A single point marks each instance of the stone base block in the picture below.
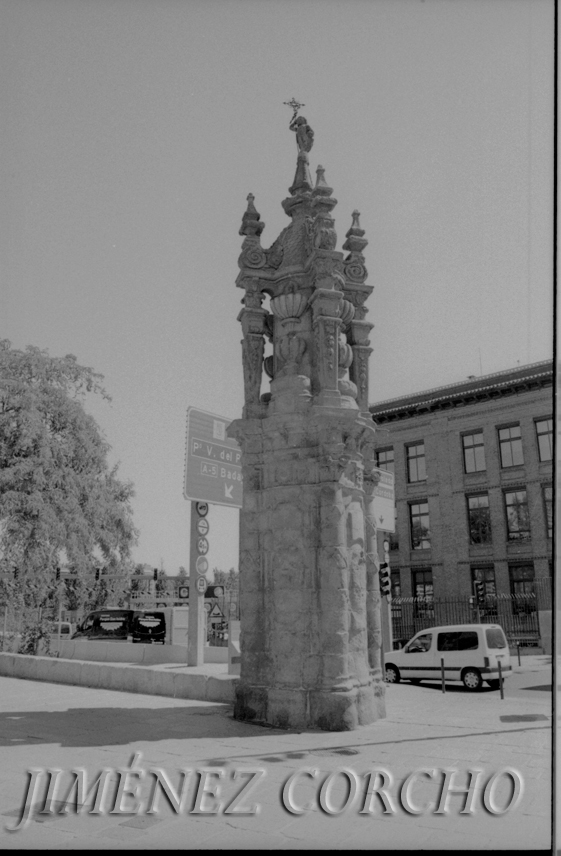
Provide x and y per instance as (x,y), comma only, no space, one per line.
(299,708)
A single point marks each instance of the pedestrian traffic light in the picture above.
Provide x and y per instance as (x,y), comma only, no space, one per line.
(479,587)
(385,579)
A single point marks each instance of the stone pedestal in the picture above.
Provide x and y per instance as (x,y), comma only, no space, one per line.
(309,596)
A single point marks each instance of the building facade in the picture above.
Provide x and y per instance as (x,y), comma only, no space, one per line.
(473,466)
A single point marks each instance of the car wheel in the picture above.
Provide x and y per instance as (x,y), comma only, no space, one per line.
(392,675)
(495,685)
(472,679)
(414,680)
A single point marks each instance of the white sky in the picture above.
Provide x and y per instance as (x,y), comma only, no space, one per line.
(133,131)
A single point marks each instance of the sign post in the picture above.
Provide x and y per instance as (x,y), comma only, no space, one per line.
(198,566)
(213,475)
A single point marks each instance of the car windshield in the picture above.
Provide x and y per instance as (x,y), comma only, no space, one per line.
(495,637)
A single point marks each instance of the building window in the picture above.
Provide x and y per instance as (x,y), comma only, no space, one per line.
(544,431)
(485,574)
(416,469)
(522,589)
(479,519)
(548,502)
(422,583)
(517,515)
(423,592)
(510,442)
(385,460)
(419,519)
(474,452)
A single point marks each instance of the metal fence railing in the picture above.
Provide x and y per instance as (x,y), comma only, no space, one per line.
(518,615)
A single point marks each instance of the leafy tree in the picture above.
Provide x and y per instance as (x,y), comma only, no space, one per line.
(61,505)
(228,579)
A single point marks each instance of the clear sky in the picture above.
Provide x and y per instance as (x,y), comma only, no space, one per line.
(133,130)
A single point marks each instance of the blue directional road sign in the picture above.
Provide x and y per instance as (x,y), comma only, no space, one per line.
(213,470)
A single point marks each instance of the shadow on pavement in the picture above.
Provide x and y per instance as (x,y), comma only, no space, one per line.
(456,688)
(113,726)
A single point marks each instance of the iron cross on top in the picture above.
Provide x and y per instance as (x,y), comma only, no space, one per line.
(294,104)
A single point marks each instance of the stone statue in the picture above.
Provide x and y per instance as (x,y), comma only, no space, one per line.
(298,124)
(304,134)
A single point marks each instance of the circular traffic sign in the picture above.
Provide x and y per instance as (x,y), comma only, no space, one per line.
(201,585)
(201,565)
(202,546)
(183,591)
(202,526)
(202,509)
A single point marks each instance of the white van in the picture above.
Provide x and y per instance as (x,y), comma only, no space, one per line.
(471,654)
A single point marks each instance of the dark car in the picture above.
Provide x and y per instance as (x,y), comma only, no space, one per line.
(122,625)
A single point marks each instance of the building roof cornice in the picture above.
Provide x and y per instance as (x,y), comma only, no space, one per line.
(470,391)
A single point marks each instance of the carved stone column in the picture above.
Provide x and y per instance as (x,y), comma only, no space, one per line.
(359,336)
(326,324)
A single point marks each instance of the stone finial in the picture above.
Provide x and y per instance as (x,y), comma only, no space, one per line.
(251,223)
(356,241)
(322,188)
(302,180)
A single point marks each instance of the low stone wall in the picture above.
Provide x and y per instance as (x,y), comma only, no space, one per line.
(128,652)
(120,677)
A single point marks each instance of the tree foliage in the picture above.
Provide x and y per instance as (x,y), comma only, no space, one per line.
(60,502)
(229,579)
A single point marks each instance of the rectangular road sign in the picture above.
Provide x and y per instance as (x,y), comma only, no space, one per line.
(213,470)
(384,501)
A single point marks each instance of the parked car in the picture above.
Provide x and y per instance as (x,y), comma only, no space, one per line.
(123,625)
(66,629)
(471,654)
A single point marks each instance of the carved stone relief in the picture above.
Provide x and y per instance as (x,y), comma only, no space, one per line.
(252,358)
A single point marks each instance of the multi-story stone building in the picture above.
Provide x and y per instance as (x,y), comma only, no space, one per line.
(473,483)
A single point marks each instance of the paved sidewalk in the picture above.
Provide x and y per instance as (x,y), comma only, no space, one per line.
(62,727)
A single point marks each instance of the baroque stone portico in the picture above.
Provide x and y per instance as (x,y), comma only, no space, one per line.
(309,591)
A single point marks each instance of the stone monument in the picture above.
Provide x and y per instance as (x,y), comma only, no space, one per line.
(309,591)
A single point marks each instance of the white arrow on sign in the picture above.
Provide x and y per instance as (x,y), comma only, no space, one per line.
(228,491)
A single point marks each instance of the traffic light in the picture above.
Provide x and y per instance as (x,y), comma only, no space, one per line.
(385,579)
(57,574)
(16,574)
(479,587)
(155,575)
(97,573)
